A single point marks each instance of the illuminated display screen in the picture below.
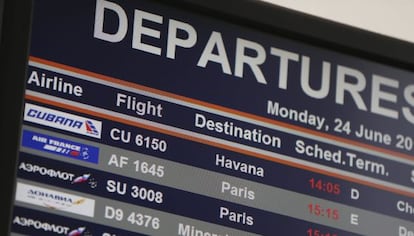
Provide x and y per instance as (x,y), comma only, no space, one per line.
(141,118)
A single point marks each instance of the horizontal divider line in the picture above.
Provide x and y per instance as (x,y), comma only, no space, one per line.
(253,117)
(322,170)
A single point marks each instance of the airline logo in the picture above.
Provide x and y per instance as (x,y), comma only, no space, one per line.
(58,174)
(60,146)
(48,227)
(53,199)
(77,232)
(86,178)
(62,120)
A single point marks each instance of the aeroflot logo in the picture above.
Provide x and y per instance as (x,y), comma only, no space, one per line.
(78,232)
(49,227)
(58,174)
(54,199)
(62,120)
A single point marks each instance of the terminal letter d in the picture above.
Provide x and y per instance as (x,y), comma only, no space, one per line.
(101,6)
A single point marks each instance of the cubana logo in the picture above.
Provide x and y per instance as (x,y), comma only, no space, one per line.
(62,120)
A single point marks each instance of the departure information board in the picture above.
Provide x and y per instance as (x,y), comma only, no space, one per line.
(141,118)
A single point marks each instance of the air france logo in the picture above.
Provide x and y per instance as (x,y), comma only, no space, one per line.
(54,199)
(62,120)
(63,147)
